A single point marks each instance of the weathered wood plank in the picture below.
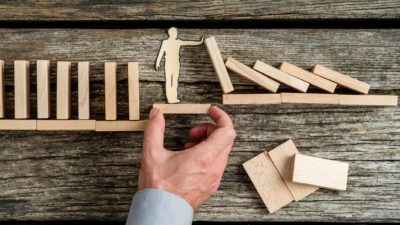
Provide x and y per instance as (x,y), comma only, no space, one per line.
(348,51)
(87,176)
(58,175)
(195,10)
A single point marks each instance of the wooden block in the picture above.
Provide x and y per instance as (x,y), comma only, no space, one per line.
(66,125)
(43,88)
(2,94)
(245,99)
(377,100)
(63,90)
(133,86)
(269,184)
(282,157)
(310,98)
(281,76)
(120,125)
(309,77)
(110,73)
(320,172)
(17,124)
(341,79)
(219,65)
(251,75)
(22,89)
(83,91)
(183,108)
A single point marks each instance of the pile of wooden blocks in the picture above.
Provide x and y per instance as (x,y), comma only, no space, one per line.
(269,78)
(283,175)
(23,121)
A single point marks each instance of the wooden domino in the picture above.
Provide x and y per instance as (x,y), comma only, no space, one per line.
(43,88)
(245,99)
(63,90)
(2,94)
(133,90)
(281,76)
(282,157)
(372,100)
(310,98)
(320,172)
(66,125)
(309,77)
(219,65)
(83,91)
(183,108)
(268,183)
(18,124)
(110,73)
(252,75)
(341,79)
(120,125)
(21,89)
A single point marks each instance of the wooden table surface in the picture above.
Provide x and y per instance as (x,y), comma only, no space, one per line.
(53,176)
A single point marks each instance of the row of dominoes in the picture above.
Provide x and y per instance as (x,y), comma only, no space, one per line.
(63,92)
(269,78)
(283,175)
(22,90)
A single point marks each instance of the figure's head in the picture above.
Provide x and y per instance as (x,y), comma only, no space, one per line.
(173,32)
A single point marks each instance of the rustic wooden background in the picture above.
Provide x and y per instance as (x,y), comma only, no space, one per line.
(87,176)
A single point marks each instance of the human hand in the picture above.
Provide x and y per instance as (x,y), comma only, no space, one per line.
(157,66)
(195,173)
(202,39)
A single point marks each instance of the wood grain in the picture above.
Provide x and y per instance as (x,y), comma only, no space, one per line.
(83,90)
(183,108)
(47,176)
(268,182)
(373,100)
(66,125)
(133,87)
(22,89)
(195,10)
(2,94)
(310,98)
(306,75)
(120,125)
(219,65)
(43,88)
(282,157)
(252,75)
(63,90)
(341,79)
(320,172)
(280,76)
(252,99)
(110,87)
(16,124)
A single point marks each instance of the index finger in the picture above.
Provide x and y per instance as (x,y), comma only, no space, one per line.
(220,117)
(222,137)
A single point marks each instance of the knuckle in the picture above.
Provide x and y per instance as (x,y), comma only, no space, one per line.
(205,161)
(232,133)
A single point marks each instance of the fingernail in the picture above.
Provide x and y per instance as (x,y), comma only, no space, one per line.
(153,113)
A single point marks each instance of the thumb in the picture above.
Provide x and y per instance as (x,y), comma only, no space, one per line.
(154,131)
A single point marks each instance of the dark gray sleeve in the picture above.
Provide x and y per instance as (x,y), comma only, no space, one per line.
(157,207)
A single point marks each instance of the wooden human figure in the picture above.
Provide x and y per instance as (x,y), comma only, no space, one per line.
(171,48)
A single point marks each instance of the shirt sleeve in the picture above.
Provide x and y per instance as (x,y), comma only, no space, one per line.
(157,207)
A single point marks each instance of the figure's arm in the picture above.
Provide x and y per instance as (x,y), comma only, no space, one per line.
(193,42)
(160,55)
